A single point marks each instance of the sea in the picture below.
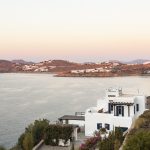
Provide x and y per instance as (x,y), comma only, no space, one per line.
(27,97)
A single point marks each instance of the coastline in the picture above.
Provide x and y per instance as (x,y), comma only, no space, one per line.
(99,75)
(91,75)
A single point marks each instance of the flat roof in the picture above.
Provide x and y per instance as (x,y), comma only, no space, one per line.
(121,103)
(72,117)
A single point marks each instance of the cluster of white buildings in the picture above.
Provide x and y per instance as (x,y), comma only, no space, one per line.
(106,68)
(35,68)
(39,67)
(147,72)
(146,63)
(116,109)
(92,70)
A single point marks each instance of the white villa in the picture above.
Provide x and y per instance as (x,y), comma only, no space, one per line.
(73,120)
(115,110)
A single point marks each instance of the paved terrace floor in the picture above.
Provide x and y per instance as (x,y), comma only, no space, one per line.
(46,147)
(80,140)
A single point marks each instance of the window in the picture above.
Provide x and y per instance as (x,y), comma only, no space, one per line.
(111,107)
(111,96)
(107,126)
(119,110)
(123,129)
(99,126)
(122,110)
(137,107)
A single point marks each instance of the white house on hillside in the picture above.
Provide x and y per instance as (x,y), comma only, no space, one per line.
(115,110)
(73,120)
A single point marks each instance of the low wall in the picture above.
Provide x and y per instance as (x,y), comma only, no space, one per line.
(36,147)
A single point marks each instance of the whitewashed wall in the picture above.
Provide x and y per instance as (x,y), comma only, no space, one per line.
(91,120)
(77,122)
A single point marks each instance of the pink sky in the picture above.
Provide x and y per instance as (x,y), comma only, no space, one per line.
(78,30)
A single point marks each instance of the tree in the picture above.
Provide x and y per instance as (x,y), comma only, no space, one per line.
(20,141)
(55,132)
(28,142)
(111,138)
(113,141)
(104,144)
(38,130)
(2,148)
(33,134)
(119,134)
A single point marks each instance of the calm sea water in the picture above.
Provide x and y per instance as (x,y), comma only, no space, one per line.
(26,97)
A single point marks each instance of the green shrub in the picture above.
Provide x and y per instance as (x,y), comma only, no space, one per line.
(139,141)
(117,144)
(38,130)
(113,141)
(103,131)
(2,148)
(55,132)
(139,136)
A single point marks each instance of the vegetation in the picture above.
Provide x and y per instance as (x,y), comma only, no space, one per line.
(2,148)
(90,143)
(137,139)
(139,136)
(55,132)
(38,130)
(111,142)
(103,131)
(140,140)
(33,134)
(41,129)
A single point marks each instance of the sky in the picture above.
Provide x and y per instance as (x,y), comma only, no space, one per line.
(77,30)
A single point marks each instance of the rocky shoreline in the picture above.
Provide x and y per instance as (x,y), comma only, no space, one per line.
(98,75)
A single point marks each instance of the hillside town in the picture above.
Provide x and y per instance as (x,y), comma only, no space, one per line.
(63,68)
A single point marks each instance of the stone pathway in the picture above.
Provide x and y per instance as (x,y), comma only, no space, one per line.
(81,139)
(47,147)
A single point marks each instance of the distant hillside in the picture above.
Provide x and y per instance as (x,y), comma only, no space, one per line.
(5,66)
(63,66)
(17,65)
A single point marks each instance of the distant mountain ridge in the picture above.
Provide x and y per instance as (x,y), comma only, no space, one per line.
(59,63)
(138,61)
(21,61)
(65,62)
